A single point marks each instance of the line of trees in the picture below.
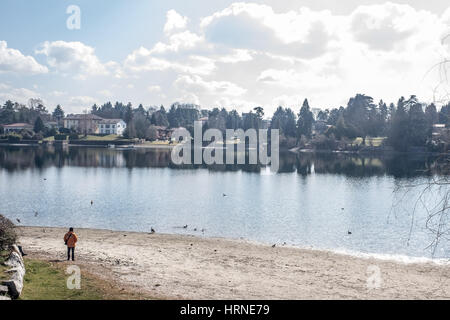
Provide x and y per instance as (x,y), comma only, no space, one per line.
(405,124)
(34,113)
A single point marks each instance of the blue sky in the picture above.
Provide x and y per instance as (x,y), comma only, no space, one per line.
(221,53)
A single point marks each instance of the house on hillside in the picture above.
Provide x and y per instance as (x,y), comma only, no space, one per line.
(164,133)
(83,123)
(51,125)
(16,127)
(441,132)
(112,126)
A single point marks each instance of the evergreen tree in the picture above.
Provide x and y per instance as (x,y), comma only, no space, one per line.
(38,125)
(305,121)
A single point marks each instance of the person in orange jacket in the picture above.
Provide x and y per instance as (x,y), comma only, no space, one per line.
(70,239)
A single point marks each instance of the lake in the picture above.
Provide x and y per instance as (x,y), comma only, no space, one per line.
(313,201)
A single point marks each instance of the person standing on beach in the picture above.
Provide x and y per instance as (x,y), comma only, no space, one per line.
(70,239)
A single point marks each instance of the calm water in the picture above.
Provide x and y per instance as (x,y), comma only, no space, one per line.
(313,200)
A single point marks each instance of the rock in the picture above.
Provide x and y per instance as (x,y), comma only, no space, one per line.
(3,290)
(17,272)
(15,283)
(15,260)
(4,298)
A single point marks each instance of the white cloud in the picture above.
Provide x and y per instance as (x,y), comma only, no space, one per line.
(21,95)
(105,93)
(57,93)
(74,58)
(82,101)
(154,88)
(215,88)
(183,40)
(238,55)
(175,21)
(12,60)
(302,33)
(389,26)
(142,60)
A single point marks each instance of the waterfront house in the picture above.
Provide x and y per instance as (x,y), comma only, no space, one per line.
(51,125)
(17,127)
(163,133)
(112,126)
(440,133)
(83,123)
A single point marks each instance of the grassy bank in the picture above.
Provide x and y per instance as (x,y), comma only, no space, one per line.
(47,281)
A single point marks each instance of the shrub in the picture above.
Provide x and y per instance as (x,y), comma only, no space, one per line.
(60,137)
(14,137)
(322,142)
(38,136)
(73,136)
(7,233)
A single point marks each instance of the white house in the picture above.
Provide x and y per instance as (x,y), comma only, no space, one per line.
(112,126)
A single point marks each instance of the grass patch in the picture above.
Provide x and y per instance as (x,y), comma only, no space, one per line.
(158,143)
(110,137)
(3,275)
(3,257)
(48,281)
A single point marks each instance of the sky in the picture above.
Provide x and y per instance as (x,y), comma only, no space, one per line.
(222,53)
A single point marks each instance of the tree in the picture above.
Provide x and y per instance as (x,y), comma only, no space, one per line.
(356,114)
(290,127)
(259,112)
(431,114)
(38,125)
(152,133)
(159,118)
(58,114)
(128,114)
(305,121)
(417,129)
(398,133)
(234,120)
(444,114)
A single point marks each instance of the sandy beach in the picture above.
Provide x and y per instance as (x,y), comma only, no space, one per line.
(186,267)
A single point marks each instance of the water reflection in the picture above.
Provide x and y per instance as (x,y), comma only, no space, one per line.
(14,158)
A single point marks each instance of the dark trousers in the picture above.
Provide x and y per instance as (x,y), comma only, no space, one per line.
(73,253)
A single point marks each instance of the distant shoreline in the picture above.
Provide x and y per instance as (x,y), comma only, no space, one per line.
(192,267)
(293,150)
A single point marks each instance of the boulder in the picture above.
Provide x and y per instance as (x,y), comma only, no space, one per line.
(3,290)
(15,259)
(17,272)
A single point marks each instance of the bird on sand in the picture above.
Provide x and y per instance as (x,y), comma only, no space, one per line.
(18,220)
(152,230)
(274,245)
